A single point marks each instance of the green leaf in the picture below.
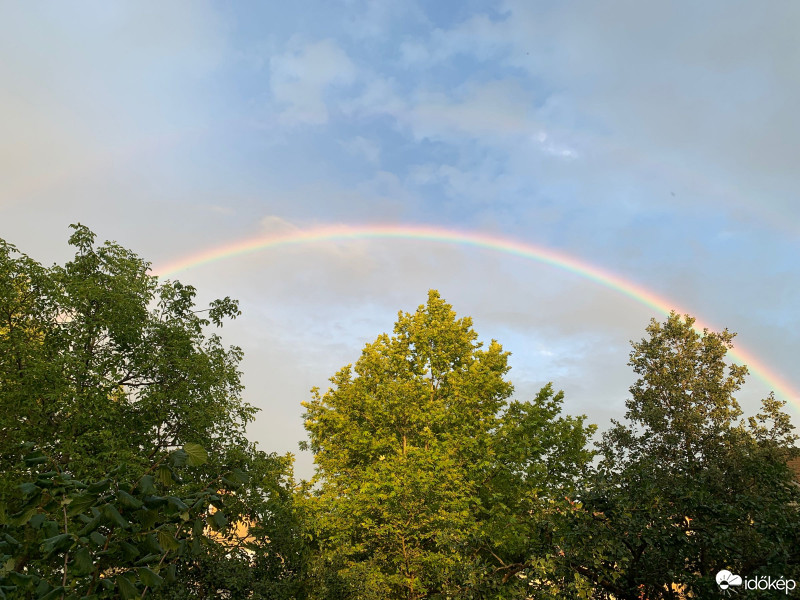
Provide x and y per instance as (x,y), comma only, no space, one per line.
(35,458)
(25,582)
(146,518)
(37,520)
(28,489)
(82,564)
(42,588)
(149,577)
(154,501)
(57,543)
(93,524)
(218,520)
(198,527)
(151,544)
(169,576)
(197,455)
(98,538)
(127,590)
(177,503)
(56,592)
(129,550)
(98,486)
(80,503)
(239,476)
(111,513)
(178,458)
(164,476)
(167,540)
(149,558)
(129,501)
(146,485)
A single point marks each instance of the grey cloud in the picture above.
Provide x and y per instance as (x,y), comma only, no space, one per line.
(679,84)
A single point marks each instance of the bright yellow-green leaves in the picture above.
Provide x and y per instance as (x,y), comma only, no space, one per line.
(427,477)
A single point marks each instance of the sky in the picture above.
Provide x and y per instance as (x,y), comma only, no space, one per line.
(655,141)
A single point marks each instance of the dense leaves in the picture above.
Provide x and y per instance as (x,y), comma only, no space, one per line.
(125,471)
(101,365)
(136,414)
(685,487)
(118,536)
(429,483)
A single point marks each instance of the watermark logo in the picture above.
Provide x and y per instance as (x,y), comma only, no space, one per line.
(728,582)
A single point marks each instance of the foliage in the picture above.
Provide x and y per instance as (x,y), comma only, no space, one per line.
(113,376)
(429,483)
(686,488)
(262,553)
(117,537)
(101,365)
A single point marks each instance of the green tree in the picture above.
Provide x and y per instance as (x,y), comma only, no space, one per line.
(103,367)
(429,483)
(686,487)
(120,536)
(100,364)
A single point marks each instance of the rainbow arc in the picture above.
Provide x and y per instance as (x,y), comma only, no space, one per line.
(540,254)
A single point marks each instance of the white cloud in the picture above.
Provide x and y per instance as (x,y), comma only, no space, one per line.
(301,77)
(488,110)
(364,148)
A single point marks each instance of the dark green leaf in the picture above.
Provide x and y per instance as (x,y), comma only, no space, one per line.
(129,501)
(179,458)
(57,543)
(28,489)
(146,485)
(127,590)
(218,520)
(80,503)
(82,564)
(98,486)
(111,513)
(177,503)
(129,550)
(164,476)
(56,592)
(149,577)
(167,540)
(151,544)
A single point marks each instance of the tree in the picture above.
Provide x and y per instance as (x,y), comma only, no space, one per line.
(123,535)
(429,482)
(114,376)
(685,487)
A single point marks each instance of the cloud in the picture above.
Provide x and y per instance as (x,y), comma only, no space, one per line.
(301,77)
(659,87)
(364,148)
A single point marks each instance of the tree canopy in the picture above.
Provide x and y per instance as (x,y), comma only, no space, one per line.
(685,487)
(112,381)
(125,470)
(429,481)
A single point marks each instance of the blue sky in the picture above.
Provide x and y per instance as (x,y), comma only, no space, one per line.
(655,140)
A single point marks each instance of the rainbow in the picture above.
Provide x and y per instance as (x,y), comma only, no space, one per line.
(477,240)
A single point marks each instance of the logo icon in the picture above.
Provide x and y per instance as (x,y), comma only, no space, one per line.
(726,580)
